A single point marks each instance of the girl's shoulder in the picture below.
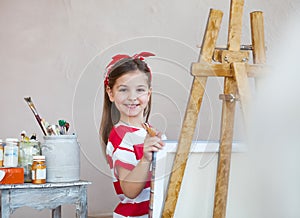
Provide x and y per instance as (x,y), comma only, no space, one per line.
(126,137)
(120,130)
(120,127)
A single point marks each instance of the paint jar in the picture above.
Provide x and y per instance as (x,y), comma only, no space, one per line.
(28,149)
(63,158)
(38,170)
(11,153)
(1,153)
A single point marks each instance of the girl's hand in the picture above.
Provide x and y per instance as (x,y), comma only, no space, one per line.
(152,144)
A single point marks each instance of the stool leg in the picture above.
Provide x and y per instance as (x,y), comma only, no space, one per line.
(56,212)
(5,209)
(81,206)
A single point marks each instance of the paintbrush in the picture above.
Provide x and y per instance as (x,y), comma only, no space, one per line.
(37,116)
(152,133)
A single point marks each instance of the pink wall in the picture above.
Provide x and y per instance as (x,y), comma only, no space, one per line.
(56,52)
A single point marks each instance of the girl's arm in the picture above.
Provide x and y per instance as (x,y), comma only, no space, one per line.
(133,182)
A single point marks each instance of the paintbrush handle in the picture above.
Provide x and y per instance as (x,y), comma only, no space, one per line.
(152,133)
(37,116)
(40,123)
(153,167)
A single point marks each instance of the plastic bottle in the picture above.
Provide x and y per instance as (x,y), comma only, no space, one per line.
(11,153)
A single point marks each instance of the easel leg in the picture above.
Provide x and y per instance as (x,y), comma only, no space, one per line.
(191,115)
(240,75)
(184,144)
(258,39)
(228,111)
(223,170)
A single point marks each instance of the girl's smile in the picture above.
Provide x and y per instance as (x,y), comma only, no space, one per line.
(131,106)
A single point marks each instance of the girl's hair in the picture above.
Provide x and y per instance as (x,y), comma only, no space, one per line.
(110,114)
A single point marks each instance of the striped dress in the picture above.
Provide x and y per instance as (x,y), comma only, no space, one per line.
(125,149)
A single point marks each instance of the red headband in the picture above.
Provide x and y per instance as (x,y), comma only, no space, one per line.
(119,57)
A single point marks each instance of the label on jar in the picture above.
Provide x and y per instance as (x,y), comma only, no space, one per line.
(10,156)
(38,174)
(1,154)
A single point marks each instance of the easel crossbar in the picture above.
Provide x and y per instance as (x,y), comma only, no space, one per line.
(225,70)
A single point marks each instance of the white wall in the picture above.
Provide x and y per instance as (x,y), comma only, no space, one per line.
(55,51)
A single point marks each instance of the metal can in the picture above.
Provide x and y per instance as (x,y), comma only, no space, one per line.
(38,170)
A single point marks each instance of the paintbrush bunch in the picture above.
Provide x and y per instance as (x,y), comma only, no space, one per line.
(26,138)
(56,129)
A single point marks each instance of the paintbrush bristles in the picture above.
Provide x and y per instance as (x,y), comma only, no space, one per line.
(28,99)
(149,130)
(31,105)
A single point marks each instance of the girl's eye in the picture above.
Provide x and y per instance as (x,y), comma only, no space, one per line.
(122,90)
(141,90)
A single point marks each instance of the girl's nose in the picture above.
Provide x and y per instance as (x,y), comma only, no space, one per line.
(132,95)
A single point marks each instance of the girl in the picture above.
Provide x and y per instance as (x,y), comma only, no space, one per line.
(128,147)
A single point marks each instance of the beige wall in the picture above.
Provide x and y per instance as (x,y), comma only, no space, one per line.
(56,51)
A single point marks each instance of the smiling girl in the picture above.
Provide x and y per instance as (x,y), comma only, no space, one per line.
(128,147)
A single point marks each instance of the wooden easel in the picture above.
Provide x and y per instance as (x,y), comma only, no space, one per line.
(233,66)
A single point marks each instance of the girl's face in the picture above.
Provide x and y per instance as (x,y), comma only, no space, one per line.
(131,95)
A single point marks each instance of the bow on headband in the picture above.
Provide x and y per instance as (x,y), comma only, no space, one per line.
(119,57)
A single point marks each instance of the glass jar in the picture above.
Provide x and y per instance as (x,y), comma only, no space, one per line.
(11,153)
(38,170)
(28,149)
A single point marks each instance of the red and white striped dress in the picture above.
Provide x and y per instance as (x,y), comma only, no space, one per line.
(125,149)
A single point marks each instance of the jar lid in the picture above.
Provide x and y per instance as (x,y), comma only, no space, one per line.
(39,157)
(12,140)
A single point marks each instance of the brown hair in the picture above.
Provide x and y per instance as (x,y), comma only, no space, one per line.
(110,114)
